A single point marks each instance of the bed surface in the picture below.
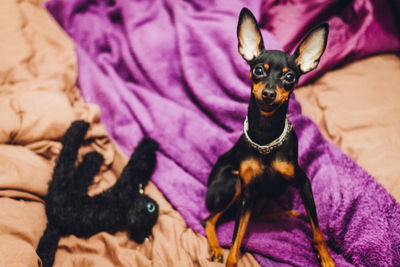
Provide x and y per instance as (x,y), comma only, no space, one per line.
(47,80)
(357,107)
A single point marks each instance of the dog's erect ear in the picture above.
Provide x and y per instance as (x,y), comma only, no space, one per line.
(310,50)
(249,36)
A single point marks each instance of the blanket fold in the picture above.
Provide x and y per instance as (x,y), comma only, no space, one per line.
(170,70)
(38,101)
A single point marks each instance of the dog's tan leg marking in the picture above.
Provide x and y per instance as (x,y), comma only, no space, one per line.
(234,251)
(319,244)
(216,250)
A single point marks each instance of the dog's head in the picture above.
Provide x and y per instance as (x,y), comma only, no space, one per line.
(274,74)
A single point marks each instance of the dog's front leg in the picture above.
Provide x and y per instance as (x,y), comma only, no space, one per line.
(319,241)
(244,214)
(210,222)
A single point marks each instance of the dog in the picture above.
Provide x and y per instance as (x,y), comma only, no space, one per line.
(124,206)
(263,162)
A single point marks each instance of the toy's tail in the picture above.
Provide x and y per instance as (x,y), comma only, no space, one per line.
(48,245)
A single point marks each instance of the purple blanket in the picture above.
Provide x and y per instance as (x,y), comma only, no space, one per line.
(357,28)
(170,70)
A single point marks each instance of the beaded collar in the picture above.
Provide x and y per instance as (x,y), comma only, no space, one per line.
(268,148)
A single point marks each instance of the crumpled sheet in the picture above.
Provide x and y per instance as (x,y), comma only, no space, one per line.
(38,101)
(170,70)
(357,108)
(357,28)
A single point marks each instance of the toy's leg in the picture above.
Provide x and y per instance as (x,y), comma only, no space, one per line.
(140,167)
(319,241)
(65,166)
(86,171)
(240,230)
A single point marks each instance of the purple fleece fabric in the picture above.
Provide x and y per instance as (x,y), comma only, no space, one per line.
(170,70)
(357,28)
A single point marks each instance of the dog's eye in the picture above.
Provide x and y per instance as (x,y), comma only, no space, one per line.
(289,77)
(151,207)
(258,71)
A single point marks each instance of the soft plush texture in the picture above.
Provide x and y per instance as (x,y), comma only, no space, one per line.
(38,101)
(358,28)
(69,209)
(170,70)
(357,107)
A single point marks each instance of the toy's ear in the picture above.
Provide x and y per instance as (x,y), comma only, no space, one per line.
(249,36)
(310,50)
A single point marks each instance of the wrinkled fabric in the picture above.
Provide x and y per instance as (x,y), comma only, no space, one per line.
(170,70)
(38,101)
(357,28)
(357,107)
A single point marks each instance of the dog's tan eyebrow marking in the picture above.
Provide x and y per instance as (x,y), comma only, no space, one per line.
(284,70)
(266,66)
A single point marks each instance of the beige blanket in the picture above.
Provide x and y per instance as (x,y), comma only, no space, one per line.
(357,107)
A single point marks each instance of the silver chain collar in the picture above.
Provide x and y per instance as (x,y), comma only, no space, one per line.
(268,148)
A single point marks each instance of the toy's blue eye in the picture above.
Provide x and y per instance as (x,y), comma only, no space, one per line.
(151,207)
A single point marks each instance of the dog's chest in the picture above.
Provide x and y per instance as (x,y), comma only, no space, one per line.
(265,175)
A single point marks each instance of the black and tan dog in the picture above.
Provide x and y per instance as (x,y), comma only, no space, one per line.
(263,162)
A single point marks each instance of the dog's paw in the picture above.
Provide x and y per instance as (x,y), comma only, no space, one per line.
(323,255)
(217,256)
(327,262)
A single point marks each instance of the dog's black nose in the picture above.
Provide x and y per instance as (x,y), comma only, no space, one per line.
(268,95)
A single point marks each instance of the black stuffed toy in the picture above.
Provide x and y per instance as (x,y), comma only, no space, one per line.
(70,211)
